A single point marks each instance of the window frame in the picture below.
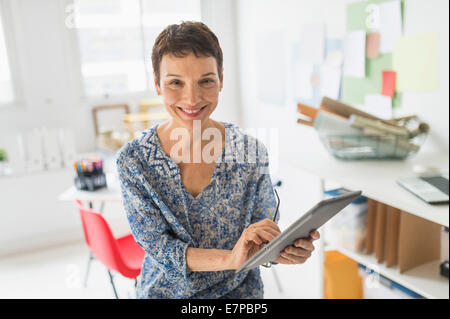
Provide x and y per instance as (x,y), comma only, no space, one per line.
(7,20)
(131,97)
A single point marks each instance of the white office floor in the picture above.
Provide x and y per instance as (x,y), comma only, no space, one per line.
(58,273)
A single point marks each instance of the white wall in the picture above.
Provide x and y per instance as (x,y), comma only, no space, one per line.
(220,18)
(258,16)
(422,17)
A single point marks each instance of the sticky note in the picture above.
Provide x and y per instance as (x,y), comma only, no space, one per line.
(355,54)
(373,45)
(315,80)
(388,88)
(416,61)
(390,24)
(302,80)
(330,83)
(312,38)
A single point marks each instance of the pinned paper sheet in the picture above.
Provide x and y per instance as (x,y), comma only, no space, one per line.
(315,80)
(312,39)
(416,61)
(373,45)
(388,88)
(67,144)
(51,150)
(302,75)
(330,83)
(355,54)
(35,160)
(270,77)
(378,105)
(335,58)
(390,24)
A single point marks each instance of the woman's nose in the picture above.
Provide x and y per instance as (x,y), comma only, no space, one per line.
(192,95)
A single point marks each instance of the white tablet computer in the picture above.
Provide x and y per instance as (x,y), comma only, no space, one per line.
(313,219)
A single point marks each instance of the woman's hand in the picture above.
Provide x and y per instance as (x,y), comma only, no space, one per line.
(300,251)
(251,241)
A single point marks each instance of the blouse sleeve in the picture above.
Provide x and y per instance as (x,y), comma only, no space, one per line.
(148,225)
(265,197)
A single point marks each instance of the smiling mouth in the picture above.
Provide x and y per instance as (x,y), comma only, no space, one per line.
(191,113)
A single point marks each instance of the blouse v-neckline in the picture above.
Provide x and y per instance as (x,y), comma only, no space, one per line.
(214,176)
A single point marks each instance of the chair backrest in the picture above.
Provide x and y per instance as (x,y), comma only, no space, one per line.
(99,238)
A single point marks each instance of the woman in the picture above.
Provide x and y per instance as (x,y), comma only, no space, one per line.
(200,214)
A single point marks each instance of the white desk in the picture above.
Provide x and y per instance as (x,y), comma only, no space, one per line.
(377,180)
(111,193)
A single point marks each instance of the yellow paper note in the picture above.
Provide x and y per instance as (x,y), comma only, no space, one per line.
(416,61)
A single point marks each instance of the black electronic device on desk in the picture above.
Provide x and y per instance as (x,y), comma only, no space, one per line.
(444,268)
(431,188)
(90,174)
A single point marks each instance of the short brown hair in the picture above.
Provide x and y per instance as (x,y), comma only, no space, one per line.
(184,38)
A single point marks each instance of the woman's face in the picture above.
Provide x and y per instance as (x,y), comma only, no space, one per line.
(190,87)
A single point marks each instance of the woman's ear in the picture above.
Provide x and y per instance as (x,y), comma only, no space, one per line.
(158,88)
(221,80)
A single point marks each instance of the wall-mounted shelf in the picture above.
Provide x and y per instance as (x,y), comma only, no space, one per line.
(424,280)
(377,179)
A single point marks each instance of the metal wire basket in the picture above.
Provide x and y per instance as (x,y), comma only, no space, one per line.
(360,147)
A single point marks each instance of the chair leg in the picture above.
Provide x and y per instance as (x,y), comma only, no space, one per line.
(87,268)
(112,284)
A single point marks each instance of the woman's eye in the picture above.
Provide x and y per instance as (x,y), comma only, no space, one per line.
(175,82)
(208,81)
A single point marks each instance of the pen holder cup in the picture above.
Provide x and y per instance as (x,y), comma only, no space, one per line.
(90,181)
(370,147)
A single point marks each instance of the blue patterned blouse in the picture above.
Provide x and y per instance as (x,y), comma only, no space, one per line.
(165,218)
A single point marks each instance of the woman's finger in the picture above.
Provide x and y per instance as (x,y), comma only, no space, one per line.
(299,252)
(264,234)
(259,235)
(315,235)
(284,261)
(293,258)
(305,244)
(272,231)
(269,223)
(250,235)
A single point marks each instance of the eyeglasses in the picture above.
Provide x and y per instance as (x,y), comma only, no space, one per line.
(278,204)
(269,264)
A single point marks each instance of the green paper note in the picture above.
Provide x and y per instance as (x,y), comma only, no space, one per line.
(354,90)
(358,14)
(416,61)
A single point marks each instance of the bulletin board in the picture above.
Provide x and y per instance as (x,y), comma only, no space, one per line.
(354,90)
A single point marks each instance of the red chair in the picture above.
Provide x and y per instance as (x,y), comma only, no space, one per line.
(122,255)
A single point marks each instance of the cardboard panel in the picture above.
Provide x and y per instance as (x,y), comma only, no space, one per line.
(391,238)
(380,228)
(419,241)
(371,215)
